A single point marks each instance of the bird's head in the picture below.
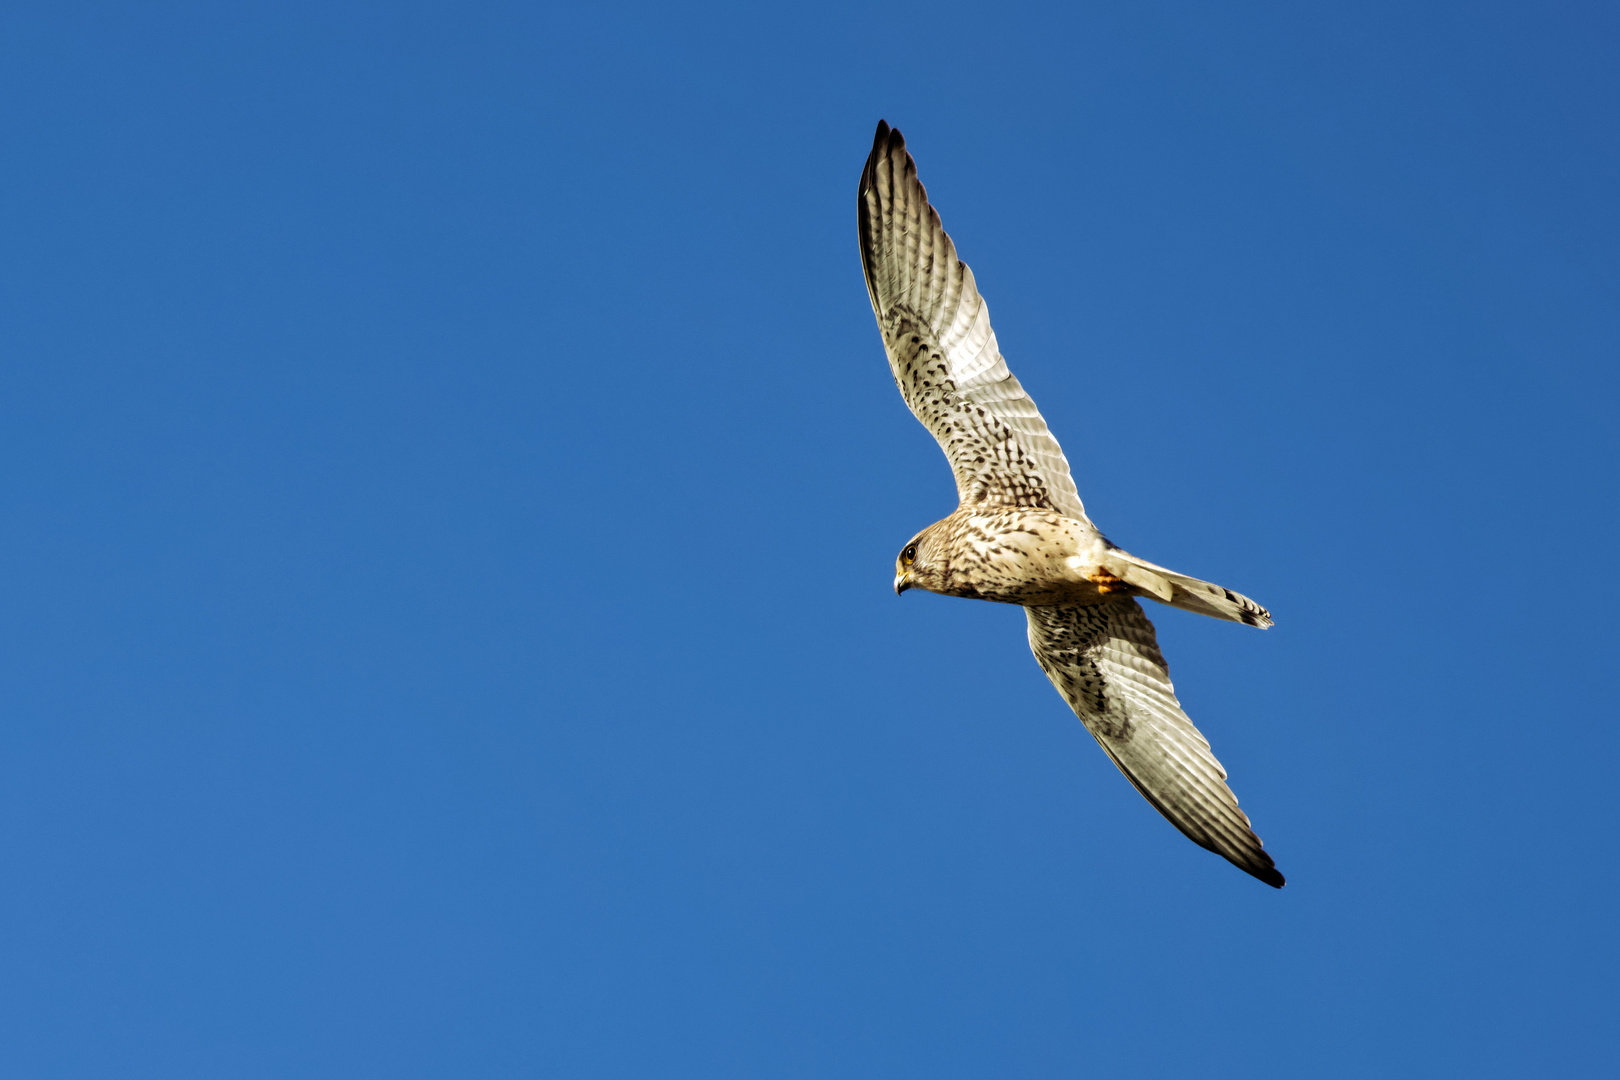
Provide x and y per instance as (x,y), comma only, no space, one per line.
(921,563)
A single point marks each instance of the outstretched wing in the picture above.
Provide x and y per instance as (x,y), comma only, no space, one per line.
(1105,661)
(936,330)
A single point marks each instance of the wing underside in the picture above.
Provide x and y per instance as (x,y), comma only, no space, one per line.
(942,350)
(1105,661)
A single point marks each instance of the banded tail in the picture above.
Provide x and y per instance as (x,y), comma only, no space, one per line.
(1186,593)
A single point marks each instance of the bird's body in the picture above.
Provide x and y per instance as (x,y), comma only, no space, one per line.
(1010,554)
(1020,534)
(1033,556)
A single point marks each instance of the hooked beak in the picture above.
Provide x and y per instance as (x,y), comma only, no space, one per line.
(902,582)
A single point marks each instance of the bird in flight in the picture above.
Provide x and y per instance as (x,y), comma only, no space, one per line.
(1020,535)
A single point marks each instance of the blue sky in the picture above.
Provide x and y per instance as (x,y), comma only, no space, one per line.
(449,486)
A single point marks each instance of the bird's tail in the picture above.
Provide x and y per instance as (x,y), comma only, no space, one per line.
(1187,593)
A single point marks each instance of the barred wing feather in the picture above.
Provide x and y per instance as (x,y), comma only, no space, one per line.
(942,351)
(1105,661)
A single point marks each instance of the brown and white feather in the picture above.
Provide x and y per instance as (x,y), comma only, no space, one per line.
(942,350)
(1105,661)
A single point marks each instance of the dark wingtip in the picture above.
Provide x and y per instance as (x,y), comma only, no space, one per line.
(886,143)
(885,140)
(1271,876)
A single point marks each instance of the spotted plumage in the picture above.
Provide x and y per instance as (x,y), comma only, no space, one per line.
(1020,535)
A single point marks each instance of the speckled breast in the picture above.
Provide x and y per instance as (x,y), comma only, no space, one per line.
(1022,555)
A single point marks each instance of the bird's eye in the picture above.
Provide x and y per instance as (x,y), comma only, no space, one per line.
(910,554)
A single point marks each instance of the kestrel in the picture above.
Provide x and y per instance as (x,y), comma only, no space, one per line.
(1019,534)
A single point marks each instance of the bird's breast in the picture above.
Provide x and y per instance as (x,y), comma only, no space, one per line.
(1031,557)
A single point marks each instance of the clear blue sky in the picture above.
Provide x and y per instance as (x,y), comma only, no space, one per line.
(449,486)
